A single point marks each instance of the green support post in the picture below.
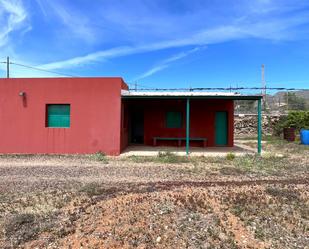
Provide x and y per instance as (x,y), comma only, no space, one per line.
(188,127)
(259,126)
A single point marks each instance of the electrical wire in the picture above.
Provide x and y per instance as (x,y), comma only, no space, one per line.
(43,70)
(148,88)
(134,85)
(223,89)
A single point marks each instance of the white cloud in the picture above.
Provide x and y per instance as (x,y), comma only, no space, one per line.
(75,22)
(144,26)
(151,71)
(166,63)
(12,17)
(42,8)
(201,38)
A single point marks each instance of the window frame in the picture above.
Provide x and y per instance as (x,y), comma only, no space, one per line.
(168,125)
(47,116)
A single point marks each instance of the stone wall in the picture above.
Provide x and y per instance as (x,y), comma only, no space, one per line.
(246,124)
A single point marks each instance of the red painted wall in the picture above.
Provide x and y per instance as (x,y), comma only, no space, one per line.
(124,125)
(95,115)
(202,119)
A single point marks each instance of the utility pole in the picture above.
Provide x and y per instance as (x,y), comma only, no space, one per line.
(264,87)
(287,101)
(8,67)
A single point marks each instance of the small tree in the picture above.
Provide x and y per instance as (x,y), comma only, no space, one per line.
(297,119)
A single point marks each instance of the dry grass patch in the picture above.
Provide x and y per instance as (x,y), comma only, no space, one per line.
(169,219)
(162,157)
(276,214)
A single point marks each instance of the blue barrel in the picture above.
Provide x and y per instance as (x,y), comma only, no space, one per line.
(304,136)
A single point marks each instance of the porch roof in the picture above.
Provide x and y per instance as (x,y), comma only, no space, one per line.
(189,94)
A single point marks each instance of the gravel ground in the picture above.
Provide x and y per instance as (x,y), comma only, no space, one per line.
(93,201)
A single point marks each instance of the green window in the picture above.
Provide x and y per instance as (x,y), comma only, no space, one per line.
(58,116)
(173,120)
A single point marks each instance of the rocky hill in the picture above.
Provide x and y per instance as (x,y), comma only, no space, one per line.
(279,102)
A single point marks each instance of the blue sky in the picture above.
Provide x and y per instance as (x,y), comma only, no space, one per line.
(160,43)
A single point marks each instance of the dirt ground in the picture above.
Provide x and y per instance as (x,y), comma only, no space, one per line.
(93,201)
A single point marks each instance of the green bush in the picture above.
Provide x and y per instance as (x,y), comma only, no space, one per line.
(297,119)
(169,157)
(230,156)
(100,157)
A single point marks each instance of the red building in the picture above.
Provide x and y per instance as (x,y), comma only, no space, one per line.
(87,115)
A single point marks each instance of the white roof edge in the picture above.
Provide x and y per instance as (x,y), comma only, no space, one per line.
(172,93)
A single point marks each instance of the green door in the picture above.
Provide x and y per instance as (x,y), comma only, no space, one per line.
(221,128)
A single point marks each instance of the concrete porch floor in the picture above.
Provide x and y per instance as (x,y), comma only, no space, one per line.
(142,150)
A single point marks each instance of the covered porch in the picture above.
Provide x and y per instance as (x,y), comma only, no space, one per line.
(182,122)
(143,150)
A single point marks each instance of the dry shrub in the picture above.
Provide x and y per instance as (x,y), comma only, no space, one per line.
(96,189)
(100,157)
(231,171)
(162,157)
(269,164)
(20,228)
(283,193)
(169,157)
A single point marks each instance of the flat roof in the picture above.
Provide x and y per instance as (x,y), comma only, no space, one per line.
(188,94)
